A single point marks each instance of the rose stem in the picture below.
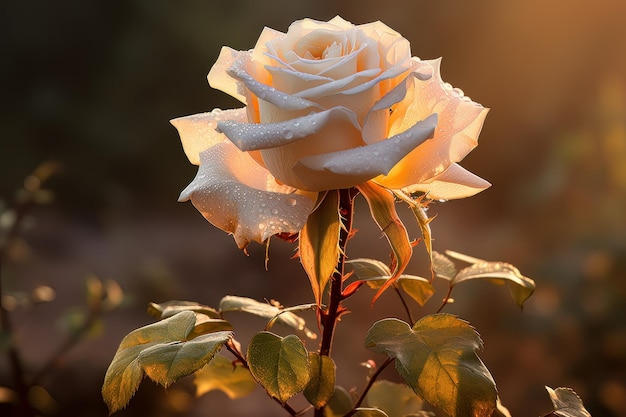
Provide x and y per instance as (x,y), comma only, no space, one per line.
(380,369)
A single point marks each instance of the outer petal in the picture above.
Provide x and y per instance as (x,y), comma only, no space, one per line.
(355,166)
(460,122)
(235,194)
(198,132)
(218,76)
(454,182)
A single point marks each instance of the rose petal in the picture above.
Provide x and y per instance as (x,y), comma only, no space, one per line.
(198,132)
(238,196)
(265,92)
(261,136)
(354,166)
(220,79)
(291,82)
(460,122)
(454,182)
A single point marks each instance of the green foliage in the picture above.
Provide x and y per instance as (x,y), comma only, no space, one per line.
(437,359)
(163,351)
(496,272)
(169,308)
(383,210)
(339,404)
(566,403)
(267,311)
(321,385)
(396,400)
(222,374)
(376,274)
(279,364)
(369,412)
(319,244)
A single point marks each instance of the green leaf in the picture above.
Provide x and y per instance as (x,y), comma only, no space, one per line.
(567,403)
(169,308)
(437,359)
(166,363)
(165,348)
(376,273)
(383,209)
(396,400)
(339,404)
(280,365)
(321,385)
(496,272)
(319,244)
(267,311)
(222,374)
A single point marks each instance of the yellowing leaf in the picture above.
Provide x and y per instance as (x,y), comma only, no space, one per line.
(339,404)
(567,403)
(419,210)
(376,274)
(222,374)
(396,400)
(437,359)
(321,385)
(165,363)
(383,209)
(497,272)
(280,365)
(370,412)
(267,311)
(169,308)
(319,244)
(156,346)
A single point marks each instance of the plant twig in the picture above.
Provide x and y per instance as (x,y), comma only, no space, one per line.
(371,381)
(445,300)
(17,367)
(404,304)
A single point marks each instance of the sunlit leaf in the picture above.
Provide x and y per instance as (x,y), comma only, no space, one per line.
(169,308)
(370,412)
(396,400)
(160,340)
(339,404)
(376,274)
(165,363)
(383,209)
(279,364)
(437,358)
(321,385)
(319,244)
(205,325)
(500,273)
(222,374)
(369,268)
(501,410)
(267,311)
(566,403)
(443,266)
(496,272)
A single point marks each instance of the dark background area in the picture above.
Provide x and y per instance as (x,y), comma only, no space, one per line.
(92,85)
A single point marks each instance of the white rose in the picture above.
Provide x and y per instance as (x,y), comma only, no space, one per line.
(328,105)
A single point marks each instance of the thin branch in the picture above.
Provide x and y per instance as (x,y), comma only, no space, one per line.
(376,374)
(404,304)
(445,300)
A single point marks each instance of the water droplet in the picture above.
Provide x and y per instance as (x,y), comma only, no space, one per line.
(291,201)
(274,211)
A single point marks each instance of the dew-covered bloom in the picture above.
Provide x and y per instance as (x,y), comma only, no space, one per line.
(327,105)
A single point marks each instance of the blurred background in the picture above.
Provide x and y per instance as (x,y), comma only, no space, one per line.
(92,85)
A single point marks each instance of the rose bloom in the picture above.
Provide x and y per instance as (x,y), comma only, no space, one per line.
(327,105)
